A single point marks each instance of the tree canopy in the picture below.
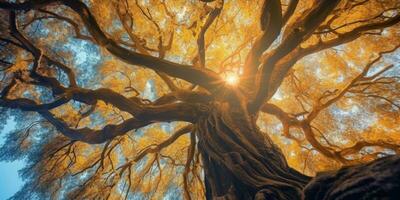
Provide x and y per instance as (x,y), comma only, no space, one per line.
(107,95)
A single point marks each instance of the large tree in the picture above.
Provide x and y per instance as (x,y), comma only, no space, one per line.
(201,99)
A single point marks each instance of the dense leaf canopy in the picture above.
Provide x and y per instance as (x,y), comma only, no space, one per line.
(106,94)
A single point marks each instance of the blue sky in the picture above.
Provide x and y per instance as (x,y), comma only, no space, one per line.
(10,180)
(85,56)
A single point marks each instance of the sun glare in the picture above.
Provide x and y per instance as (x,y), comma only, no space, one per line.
(231,79)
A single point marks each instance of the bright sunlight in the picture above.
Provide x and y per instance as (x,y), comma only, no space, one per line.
(231,79)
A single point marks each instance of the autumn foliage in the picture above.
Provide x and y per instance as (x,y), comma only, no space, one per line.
(114,99)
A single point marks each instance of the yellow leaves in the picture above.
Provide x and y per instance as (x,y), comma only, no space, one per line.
(81,161)
(104,11)
(68,113)
(146,187)
(155,136)
(187,35)
(21,63)
(151,136)
(119,77)
(127,149)
(312,77)
(83,156)
(388,124)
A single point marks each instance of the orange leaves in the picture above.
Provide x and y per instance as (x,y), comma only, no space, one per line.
(21,63)
(104,12)
(145,26)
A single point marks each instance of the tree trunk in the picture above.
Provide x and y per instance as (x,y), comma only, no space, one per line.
(240,162)
(376,180)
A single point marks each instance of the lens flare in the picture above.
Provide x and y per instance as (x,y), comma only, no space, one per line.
(231,79)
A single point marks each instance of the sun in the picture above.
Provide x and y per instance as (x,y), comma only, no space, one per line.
(231,79)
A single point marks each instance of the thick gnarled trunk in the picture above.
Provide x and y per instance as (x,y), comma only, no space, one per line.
(375,180)
(240,162)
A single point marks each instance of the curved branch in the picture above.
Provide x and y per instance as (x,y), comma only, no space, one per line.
(27,5)
(317,109)
(157,148)
(144,113)
(75,25)
(85,134)
(311,21)
(200,40)
(37,53)
(284,65)
(203,77)
(189,159)
(289,11)
(310,137)
(361,144)
(133,105)
(271,24)
(29,105)
(93,136)
(286,120)
(168,112)
(141,47)
(350,36)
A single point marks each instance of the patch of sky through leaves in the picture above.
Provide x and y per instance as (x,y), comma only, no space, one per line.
(86,57)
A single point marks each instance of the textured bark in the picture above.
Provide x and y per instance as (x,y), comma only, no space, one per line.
(376,180)
(240,162)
